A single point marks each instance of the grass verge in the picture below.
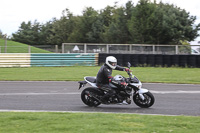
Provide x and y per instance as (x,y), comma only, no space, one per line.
(16,47)
(145,74)
(19,122)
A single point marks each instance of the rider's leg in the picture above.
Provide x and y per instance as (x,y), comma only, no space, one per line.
(110,92)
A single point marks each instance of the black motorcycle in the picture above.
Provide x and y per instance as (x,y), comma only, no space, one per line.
(143,98)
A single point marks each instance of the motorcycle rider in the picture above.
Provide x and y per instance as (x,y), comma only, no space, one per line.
(104,77)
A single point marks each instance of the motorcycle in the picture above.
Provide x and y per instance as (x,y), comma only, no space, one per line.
(91,96)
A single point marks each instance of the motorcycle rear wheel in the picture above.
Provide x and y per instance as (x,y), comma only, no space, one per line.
(147,102)
(87,96)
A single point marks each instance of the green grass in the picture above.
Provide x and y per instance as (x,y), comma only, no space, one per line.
(40,122)
(15,47)
(145,74)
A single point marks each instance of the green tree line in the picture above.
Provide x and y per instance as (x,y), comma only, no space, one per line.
(145,23)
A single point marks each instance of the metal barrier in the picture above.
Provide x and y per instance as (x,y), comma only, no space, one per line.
(28,60)
(64,59)
(14,60)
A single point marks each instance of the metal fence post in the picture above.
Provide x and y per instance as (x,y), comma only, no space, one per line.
(153,49)
(85,48)
(5,37)
(130,48)
(107,48)
(176,49)
(56,48)
(29,49)
(63,48)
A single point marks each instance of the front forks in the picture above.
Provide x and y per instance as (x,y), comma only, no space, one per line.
(141,92)
(142,97)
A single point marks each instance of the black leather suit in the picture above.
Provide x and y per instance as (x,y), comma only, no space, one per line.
(104,76)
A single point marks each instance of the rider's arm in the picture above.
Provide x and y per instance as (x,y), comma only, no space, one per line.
(121,68)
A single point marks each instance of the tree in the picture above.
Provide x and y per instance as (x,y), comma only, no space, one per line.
(117,30)
(145,23)
(61,29)
(177,24)
(46,33)
(161,24)
(106,15)
(129,8)
(24,34)
(28,33)
(141,23)
(89,26)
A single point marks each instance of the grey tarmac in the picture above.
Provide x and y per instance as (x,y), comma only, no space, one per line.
(64,96)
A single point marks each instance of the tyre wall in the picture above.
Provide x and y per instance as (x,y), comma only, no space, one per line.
(154,60)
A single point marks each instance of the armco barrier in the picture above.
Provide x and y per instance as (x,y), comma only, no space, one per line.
(28,60)
(154,60)
(14,60)
(82,59)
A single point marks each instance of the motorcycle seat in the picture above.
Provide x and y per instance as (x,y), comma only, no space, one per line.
(91,79)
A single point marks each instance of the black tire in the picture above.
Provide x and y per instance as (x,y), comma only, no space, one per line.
(148,102)
(88,99)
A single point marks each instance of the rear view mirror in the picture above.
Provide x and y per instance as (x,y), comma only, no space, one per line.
(129,65)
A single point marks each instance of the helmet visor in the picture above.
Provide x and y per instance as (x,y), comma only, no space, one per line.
(113,63)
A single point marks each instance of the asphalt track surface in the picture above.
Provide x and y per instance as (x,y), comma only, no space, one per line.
(171,99)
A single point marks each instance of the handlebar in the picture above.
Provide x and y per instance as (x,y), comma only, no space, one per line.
(130,75)
(128,72)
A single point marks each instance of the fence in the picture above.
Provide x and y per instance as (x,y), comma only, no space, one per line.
(30,49)
(127,48)
(28,60)
(103,48)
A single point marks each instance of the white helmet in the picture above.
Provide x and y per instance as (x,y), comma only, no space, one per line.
(111,61)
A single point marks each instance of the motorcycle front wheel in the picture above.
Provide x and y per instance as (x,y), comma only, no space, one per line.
(89,97)
(147,102)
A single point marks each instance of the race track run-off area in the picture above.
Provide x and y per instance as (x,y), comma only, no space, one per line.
(64,96)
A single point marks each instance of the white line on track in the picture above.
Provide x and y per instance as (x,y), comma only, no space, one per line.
(10,110)
(8,94)
(77,93)
(77,82)
(176,92)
